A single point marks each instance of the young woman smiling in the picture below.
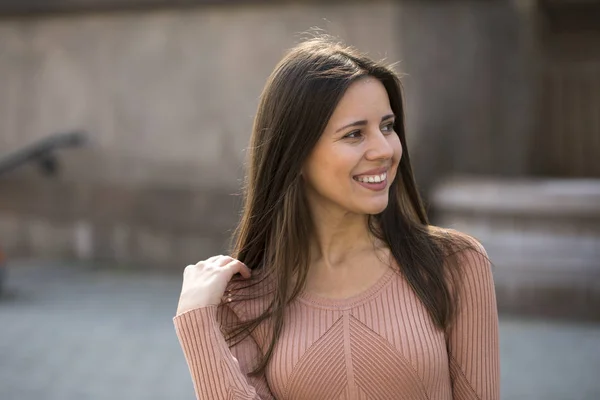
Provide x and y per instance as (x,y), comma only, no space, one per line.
(337,286)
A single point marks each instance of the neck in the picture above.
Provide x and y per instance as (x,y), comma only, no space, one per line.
(338,238)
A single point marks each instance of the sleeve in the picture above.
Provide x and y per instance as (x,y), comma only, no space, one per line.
(217,371)
(473,346)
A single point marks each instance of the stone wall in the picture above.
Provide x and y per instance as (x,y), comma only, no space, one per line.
(470,86)
(168,97)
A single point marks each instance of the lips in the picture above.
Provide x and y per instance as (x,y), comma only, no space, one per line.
(374,186)
(375,179)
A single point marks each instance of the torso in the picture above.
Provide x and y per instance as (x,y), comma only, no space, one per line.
(378,343)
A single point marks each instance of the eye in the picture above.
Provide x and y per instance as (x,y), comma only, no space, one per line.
(353,135)
(388,128)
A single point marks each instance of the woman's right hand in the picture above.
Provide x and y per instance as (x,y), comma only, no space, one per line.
(205,282)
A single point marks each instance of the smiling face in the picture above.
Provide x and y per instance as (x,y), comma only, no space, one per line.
(356,158)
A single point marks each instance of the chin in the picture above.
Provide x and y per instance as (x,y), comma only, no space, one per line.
(376,208)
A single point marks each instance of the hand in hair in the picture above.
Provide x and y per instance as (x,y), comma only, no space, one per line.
(205,282)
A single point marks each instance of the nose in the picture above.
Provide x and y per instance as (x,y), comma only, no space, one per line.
(379,147)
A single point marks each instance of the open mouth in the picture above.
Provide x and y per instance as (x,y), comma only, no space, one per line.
(376,182)
(371,178)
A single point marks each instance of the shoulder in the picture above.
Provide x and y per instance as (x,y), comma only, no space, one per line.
(466,260)
(456,244)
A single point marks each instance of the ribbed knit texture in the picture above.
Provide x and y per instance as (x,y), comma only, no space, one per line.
(380,344)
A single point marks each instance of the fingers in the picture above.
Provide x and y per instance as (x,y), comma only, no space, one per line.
(220,260)
(236,266)
(230,263)
(211,259)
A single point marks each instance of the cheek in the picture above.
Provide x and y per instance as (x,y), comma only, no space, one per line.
(331,173)
(397,153)
(331,162)
(329,170)
(397,148)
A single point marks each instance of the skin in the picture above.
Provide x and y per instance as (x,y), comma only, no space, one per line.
(345,258)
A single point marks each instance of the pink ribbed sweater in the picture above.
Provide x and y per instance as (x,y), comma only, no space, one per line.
(380,344)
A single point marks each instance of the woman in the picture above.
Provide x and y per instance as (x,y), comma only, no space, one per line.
(337,287)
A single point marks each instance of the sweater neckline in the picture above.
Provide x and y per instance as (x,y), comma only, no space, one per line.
(347,302)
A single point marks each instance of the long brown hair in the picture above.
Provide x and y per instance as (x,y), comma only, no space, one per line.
(272,237)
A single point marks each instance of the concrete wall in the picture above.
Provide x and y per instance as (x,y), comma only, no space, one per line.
(168,97)
(470,86)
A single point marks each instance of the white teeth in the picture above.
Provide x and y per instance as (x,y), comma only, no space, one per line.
(372,178)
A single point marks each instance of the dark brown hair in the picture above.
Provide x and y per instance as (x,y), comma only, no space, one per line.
(272,237)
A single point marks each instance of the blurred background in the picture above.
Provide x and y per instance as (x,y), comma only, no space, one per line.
(123,125)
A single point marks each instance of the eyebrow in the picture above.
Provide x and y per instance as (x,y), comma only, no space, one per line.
(363,122)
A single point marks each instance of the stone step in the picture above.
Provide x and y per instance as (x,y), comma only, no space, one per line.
(543,237)
(162,226)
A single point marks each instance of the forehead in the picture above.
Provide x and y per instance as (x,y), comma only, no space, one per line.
(364,98)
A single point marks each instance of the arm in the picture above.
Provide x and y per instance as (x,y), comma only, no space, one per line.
(473,347)
(217,371)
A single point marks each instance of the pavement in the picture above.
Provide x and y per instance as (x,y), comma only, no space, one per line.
(72,332)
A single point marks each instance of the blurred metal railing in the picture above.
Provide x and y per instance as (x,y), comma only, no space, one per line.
(42,151)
